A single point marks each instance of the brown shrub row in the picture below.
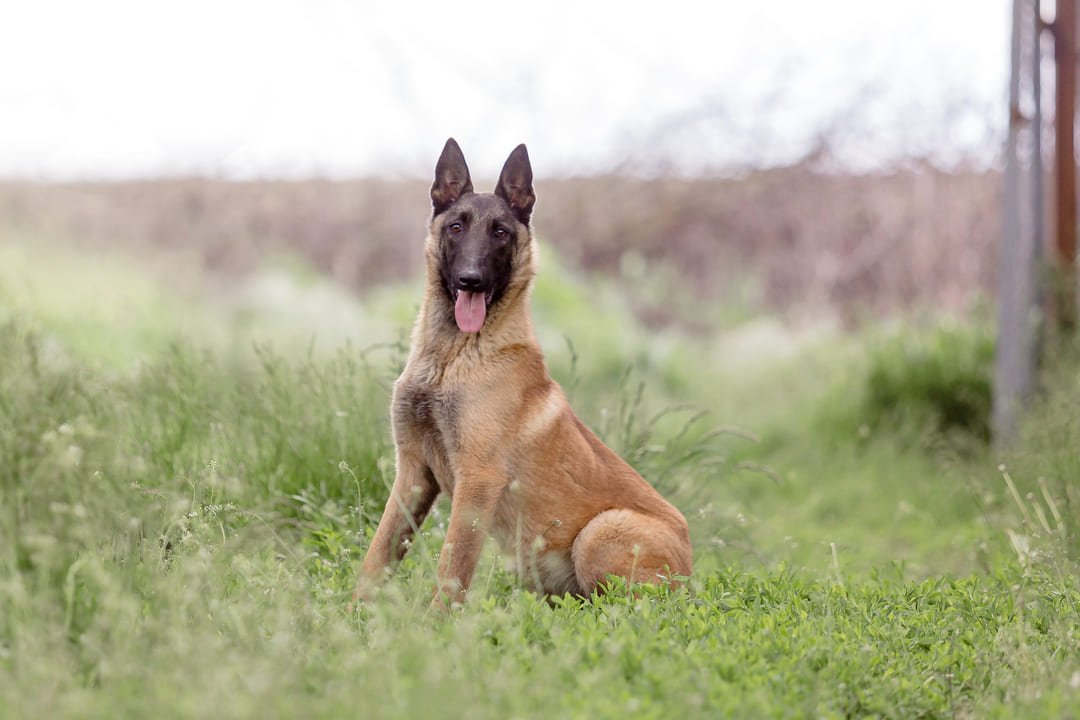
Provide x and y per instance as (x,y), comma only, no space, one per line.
(909,239)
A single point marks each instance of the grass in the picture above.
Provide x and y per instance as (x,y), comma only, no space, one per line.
(180,535)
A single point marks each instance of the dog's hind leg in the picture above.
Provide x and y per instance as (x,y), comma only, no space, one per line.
(630,544)
(412,496)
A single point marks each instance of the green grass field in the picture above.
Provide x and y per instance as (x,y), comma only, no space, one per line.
(188,482)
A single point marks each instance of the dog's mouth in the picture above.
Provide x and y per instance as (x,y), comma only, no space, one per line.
(470,309)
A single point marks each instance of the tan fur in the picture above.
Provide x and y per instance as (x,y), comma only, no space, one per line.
(478,417)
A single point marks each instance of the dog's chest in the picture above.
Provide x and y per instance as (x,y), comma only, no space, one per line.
(428,415)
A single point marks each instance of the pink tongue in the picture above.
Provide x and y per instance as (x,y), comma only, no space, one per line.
(469,311)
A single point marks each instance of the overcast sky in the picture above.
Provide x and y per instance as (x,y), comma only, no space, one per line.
(242,88)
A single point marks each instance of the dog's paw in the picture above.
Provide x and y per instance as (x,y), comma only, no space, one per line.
(364,593)
(446,601)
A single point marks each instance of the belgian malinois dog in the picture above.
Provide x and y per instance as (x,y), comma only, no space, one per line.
(477,416)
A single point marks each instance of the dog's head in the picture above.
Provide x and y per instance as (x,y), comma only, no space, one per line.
(482,241)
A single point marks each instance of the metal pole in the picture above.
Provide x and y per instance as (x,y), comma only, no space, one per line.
(1065,154)
(1038,193)
(1015,350)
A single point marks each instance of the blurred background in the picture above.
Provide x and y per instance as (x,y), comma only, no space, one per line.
(819,163)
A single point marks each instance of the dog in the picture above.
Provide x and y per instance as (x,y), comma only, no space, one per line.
(476,416)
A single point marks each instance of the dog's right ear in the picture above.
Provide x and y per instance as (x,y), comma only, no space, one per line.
(515,184)
(451,178)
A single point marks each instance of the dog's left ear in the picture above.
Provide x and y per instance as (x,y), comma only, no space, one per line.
(451,178)
(515,184)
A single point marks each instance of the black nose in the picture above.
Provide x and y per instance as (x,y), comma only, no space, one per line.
(469,280)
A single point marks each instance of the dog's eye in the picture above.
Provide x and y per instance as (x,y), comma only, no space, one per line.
(501,233)
(455,227)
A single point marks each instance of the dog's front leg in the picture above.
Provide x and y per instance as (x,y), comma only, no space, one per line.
(471,513)
(411,497)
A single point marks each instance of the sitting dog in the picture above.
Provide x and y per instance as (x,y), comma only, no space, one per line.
(477,416)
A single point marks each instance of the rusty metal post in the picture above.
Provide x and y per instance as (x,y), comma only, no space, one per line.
(1064,304)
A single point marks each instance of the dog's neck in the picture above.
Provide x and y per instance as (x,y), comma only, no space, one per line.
(437,337)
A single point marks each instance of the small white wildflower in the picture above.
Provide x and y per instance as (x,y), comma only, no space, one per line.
(73,456)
